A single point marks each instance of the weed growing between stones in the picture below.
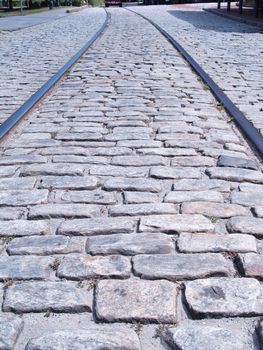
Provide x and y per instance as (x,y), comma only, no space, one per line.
(214,219)
(137,326)
(55,264)
(160,330)
(219,106)
(8,283)
(48,313)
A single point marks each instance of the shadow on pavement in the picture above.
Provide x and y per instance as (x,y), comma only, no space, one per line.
(207,21)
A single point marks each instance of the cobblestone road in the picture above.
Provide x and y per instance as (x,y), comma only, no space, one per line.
(229,51)
(131,210)
(30,56)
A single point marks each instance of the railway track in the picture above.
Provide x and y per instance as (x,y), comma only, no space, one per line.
(26,107)
(246,127)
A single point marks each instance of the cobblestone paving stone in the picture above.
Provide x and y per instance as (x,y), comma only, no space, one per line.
(225,49)
(129,220)
(28,57)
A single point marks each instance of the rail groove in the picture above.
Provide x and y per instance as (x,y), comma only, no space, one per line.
(246,127)
(26,107)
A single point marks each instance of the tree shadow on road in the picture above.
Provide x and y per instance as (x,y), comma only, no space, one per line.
(211,22)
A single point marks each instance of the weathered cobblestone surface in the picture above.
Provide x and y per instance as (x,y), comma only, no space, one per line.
(10,328)
(118,221)
(189,337)
(232,65)
(100,337)
(46,47)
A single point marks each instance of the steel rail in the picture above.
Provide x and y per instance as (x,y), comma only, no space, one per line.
(11,121)
(244,124)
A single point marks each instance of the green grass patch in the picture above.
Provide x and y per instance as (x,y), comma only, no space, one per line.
(96,3)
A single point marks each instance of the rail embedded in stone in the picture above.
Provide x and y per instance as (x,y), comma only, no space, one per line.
(26,107)
(246,127)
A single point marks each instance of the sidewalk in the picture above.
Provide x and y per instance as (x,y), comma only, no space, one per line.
(247,16)
(18,22)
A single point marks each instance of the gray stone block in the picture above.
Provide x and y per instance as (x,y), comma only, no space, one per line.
(57,210)
(258,211)
(175,223)
(52,170)
(43,245)
(143,209)
(226,161)
(24,268)
(81,136)
(127,184)
(12,213)
(246,224)
(114,170)
(249,199)
(252,265)
(211,242)
(81,267)
(181,266)
(24,228)
(224,297)
(8,170)
(168,152)
(235,174)
(45,296)
(23,197)
(96,226)
(80,159)
(10,328)
(139,160)
(136,300)
(94,197)
(139,197)
(17,183)
(219,210)
(191,196)
(163,172)
(22,159)
(201,185)
(97,337)
(139,143)
(196,161)
(203,337)
(249,187)
(131,244)
(69,182)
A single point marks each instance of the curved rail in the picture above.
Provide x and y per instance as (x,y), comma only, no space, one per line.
(244,124)
(11,121)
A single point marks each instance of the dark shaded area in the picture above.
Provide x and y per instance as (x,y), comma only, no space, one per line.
(201,20)
(247,16)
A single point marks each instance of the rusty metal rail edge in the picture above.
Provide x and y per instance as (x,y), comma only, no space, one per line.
(11,121)
(246,127)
